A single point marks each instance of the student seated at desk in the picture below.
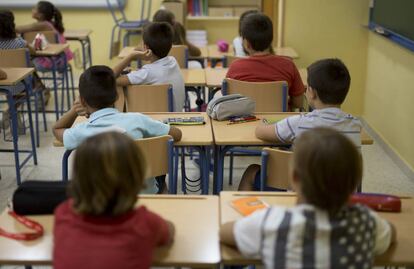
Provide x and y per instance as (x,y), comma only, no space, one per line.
(157,43)
(48,18)
(328,85)
(97,89)
(99,226)
(262,65)
(322,230)
(180,37)
(239,50)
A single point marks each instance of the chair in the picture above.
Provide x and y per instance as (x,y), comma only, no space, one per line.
(67,75)
(116,7)
(180,53)
(275,170)
(21,58)
(269,96)
(149,98)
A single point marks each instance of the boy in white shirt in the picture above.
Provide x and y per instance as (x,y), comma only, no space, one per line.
(157,39)
(322,230)
(328,85)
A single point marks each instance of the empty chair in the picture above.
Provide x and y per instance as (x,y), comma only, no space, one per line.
(149,98)
(275,170)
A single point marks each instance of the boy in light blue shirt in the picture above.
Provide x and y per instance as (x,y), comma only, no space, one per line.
(97,88)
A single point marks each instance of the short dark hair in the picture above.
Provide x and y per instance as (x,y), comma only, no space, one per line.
(7,26)
(329,168)
(158,36)
(330,79)
(257,29)
(111,187)
(97,86)
(244,15)
(163,15)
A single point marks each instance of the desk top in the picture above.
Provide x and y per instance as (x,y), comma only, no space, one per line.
(192,135)
(15,75)
(398,255)
(77,34)
(52,50)
(286,51)
(244,133)
(196,242)
(215,76)
(194,77)
(214,53)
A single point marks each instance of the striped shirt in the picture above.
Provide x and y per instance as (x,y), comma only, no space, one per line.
(287,130)
(14,43)
(307,237)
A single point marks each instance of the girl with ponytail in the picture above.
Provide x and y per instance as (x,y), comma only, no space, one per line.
(49,18)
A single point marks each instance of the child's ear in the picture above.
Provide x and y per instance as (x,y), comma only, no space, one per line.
(312,93)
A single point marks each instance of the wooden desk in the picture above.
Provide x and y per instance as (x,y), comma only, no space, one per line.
(51,50)
(77,34)
(196,243)
(400,254)
(15,75)
(194,77)
(215,76)
(286,51)
(82,36)
(215,54)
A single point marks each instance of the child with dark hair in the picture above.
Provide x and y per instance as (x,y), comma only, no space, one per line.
(239,50)
(100,226)
(97,89)
(328,85)
(262,65)
(180,37)
(157,42)
(321,230)
(49,18)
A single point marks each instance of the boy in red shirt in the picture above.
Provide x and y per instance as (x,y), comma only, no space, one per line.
(262,65)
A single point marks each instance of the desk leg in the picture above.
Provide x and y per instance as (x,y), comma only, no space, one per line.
(89,51)
(28,87)
(55,88)
(205,180)
(83,54)
(13,117)
(65,162)
(216,150)
(219,166)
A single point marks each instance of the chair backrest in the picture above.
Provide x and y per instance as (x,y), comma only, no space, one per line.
(269,96)
(114,7)
(15,58)
(275,168)
(149,98)
(157,152)
(51,36)
(180,53)
(230,59)
(120,102)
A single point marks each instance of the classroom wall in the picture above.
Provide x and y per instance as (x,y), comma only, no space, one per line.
(98,20)
(389,95)
(331,28)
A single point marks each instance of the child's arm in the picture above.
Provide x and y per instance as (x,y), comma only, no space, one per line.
(175,133)
(267,132)
(67,120)
(227,235)
(3,75)
(296,102)
(36,26)
(133,56)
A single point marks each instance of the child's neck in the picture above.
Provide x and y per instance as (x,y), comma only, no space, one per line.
(320,105)
(154,58)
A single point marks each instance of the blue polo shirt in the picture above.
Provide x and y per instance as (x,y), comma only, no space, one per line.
(136,125)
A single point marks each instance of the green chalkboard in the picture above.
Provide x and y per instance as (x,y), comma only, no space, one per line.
(394,15)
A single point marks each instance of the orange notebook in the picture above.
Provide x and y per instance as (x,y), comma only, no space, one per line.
(248,205)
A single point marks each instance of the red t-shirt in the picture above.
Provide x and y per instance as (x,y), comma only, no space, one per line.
(268,68)
(126,241)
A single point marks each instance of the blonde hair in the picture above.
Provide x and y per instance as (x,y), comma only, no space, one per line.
(108,175)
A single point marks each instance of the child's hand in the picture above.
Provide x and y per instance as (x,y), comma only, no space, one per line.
(80,109)
(144,55)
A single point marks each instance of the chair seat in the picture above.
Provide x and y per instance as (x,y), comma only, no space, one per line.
(132,24)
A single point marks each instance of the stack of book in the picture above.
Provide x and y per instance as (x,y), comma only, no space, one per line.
(197,37)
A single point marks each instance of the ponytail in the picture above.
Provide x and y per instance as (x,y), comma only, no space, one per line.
(51,14)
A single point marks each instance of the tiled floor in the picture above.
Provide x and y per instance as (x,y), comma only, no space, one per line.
(380,173)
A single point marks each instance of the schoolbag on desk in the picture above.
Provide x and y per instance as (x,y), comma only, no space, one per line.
(221,108)
(35,197)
